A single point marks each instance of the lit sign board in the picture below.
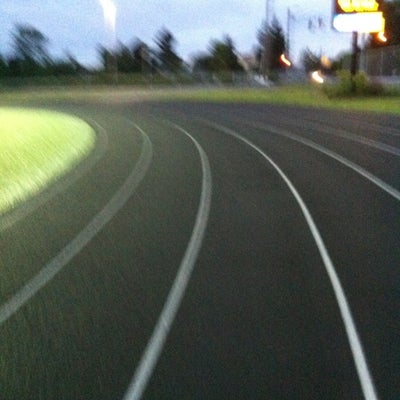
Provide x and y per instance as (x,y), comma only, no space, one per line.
(351,6)
(358,16)
(359,22)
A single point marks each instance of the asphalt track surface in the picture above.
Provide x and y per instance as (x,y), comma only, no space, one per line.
(209,252)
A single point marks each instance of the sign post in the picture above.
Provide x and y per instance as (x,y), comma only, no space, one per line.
(357,16)
(354,54)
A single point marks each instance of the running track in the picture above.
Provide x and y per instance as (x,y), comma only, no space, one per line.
(209,252)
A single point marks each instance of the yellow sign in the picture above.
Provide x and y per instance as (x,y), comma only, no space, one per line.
(351,6)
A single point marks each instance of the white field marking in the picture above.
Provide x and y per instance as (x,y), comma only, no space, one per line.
(360,361)
(30,205)
(355,167)
(157,341)
(55,265)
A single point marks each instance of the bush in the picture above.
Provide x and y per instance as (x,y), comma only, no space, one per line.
(357,85)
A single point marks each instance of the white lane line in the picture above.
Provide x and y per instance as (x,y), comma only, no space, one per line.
(382,129)
(159,336)
(360,361)
(357,138)
(23,295)
(9,219)
(355,167)
(322,128)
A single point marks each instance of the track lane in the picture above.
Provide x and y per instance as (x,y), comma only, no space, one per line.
(361,225)
(173,302)
(392,191)
(259,319)
(366,380)
(173,376)
(380,163)
(369,222)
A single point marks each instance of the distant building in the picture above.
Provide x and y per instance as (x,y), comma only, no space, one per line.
(248,62)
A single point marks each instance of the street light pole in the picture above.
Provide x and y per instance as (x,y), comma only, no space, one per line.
(269,11)
(267,39)
(290,17)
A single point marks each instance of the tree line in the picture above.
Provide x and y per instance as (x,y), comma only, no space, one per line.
(30,55)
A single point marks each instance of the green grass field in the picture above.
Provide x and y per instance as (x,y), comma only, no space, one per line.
(305,95)
(300,95)
(36,147)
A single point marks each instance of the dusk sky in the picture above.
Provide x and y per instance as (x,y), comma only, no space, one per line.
(77,26)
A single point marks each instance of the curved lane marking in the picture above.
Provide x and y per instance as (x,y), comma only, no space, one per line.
(156,343)
(360,361)
(355,167)
(355,138)
(30,205)
(23,295)
(379,127)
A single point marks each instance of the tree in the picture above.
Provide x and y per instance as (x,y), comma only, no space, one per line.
(143,57)
(272,45)
(125,60)
(310,61)
(223,56)
(30,56)
(66,65)
(106,57)
(30,45)
(136,58)
(3,66)
(202,62)
(169,60)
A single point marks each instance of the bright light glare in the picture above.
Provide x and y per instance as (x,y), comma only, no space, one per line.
(381,37)
(317,77)
(285,61)
(326,62)
(110,14)
(367,22)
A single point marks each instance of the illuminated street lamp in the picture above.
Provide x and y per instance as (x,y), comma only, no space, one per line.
(110,17)
(285,61)
(317,77)
(381,37)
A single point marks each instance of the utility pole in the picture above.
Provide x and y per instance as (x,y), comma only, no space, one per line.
(269,11)
(267,39)
(290,17)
